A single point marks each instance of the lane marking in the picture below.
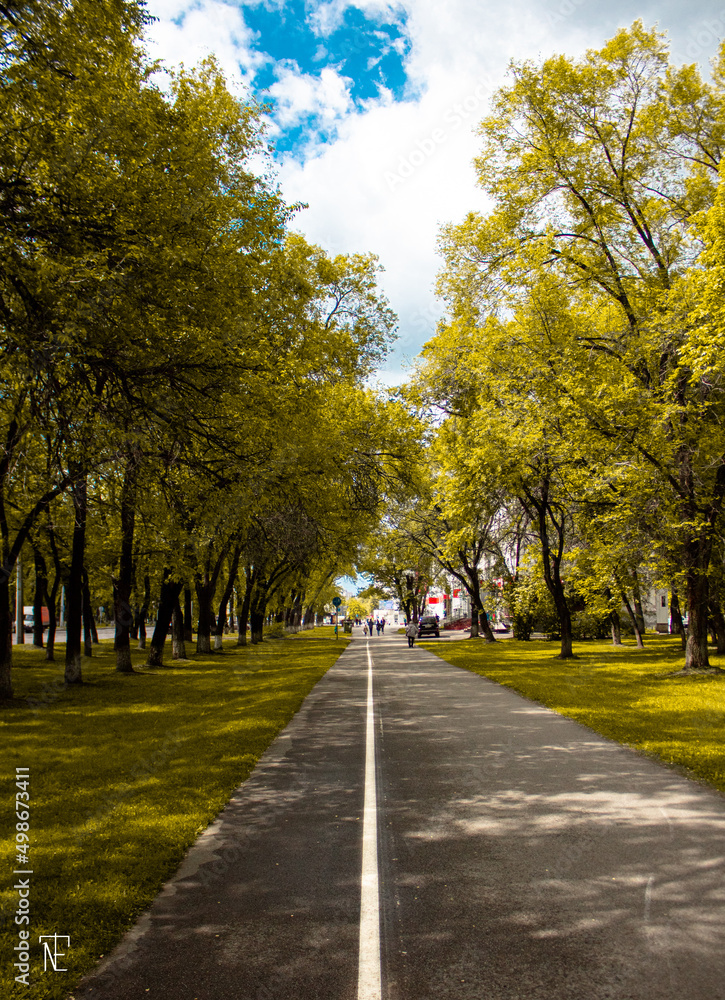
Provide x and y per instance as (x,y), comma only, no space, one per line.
(369,985)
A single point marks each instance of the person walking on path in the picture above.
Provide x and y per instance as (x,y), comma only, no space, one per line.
(370,625)
(365,628)
(411,630)
(377,626)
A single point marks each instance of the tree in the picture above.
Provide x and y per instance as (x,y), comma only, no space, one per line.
(597,174)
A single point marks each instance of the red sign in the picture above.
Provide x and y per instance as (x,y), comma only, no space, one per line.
(457,593)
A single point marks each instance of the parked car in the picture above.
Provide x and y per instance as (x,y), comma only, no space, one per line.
(428,625)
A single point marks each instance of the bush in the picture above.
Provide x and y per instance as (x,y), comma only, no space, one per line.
(545,618)
(532,610)
(276,630)
(522,625)
(589,625)
(530,607)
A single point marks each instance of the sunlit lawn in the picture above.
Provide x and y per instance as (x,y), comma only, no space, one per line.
(623,694)
(125,773)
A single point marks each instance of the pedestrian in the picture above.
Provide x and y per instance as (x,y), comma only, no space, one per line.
(365,628)
(382,625)
(370,625)
(412,632)
(377,626)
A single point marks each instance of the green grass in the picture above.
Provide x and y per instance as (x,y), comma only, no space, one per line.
(125,772)
(622,694)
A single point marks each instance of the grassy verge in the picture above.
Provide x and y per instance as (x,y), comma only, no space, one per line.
(125,772)
(622,694)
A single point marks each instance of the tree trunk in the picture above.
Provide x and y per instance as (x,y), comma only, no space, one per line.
(257,623)
(89,625)
(144,612)
(486,625)
(552,576)
(616,628)
(562,610)
(474,622)
(298,609)
(188,624)
(541,504)
(696,654)
(203,634)
(74,593)
(243,609)
(167,600)
(638,610)
(227,593)
(258,611)
(632,616)
(677,625)
(122,585)
(614,620)
(718,621)
(6,636)
(52,596)
(178,646)
(205,590)
(52,619)
(38,597)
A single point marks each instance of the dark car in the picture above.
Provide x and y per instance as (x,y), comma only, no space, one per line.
(428,625)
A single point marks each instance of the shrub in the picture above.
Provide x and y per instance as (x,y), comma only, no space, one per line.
(590,625)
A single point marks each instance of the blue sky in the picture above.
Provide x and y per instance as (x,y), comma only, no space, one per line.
(376,104)
(367,52)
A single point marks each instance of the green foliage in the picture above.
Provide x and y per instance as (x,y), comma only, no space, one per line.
(579,363)
(359,608)
(276,630)
(166,339)
(533,610)
(531,607)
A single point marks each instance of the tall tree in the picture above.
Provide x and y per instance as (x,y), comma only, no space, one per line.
(597,173)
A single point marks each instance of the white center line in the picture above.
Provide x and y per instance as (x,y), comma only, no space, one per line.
(369,980)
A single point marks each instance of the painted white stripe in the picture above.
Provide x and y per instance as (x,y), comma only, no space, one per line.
(369,985)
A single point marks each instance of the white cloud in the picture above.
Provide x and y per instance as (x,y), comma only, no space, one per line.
(298,96)
(188,31)
(326,17)
(394,175)
(397,170)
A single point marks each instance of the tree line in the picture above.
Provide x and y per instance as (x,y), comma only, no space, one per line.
(572,399)
(183,402)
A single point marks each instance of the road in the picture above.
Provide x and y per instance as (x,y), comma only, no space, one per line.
(518,855)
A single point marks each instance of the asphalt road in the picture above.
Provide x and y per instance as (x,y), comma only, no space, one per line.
(519,857)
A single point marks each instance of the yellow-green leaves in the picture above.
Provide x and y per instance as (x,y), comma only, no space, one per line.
(583,346)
